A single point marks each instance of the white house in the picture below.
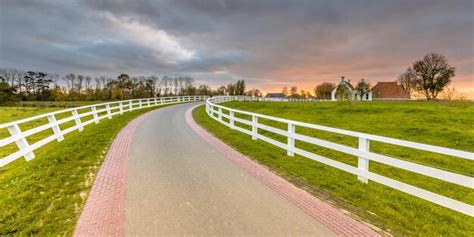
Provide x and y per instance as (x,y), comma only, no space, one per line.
(353,93)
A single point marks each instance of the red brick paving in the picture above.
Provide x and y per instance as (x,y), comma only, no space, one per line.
(329,216)
(104,212)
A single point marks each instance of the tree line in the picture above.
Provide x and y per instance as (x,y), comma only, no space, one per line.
(18,85)
(428,76)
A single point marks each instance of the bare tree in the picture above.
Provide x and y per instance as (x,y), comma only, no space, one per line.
(88,82)
(70,80)
(407,81)
(432,74)
(181,85)
(8,75)
(175,85)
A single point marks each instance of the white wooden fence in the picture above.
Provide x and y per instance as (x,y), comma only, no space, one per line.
(363,153)
(95,112)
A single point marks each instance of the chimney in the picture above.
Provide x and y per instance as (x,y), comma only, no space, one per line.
(342,78)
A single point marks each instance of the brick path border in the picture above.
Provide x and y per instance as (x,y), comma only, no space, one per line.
(104,212)
(334,219)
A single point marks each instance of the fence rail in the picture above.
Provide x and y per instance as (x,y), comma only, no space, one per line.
(97,112)
(363,153)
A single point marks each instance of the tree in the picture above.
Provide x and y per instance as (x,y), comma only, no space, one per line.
(432,74)
(285,91)
(323,90)
(150,87)
(37,85)
(58,94)
(7,92)
(362,87)
(343,93)
(303,94)
(294,92)
(407,81)
(254,92)
(203,90)
(231,89)
(240,87)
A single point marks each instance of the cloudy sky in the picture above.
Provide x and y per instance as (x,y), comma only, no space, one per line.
(270,44)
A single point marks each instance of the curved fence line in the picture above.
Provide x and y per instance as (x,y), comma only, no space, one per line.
(363,153)
(79,116)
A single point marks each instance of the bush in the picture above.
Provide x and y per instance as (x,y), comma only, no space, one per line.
(7,94)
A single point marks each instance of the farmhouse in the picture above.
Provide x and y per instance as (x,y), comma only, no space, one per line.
(345,87)
(389,90)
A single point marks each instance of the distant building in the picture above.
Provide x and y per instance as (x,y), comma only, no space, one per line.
(275,95)
(353,94)
(389,90)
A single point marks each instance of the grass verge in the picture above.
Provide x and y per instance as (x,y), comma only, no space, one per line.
(46,195)
(391,210)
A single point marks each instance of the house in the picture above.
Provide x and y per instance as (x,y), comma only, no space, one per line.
(389,90)
(352,93)
(275,95)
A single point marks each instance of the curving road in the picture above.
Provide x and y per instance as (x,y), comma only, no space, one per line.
(177,184)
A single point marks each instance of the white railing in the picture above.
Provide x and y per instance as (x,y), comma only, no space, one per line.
(363,153)
(95,112)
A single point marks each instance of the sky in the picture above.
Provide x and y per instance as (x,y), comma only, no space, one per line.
(270,44)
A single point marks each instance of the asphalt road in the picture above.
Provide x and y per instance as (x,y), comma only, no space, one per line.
(179,185)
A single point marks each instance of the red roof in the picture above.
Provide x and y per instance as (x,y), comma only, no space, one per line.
(389,90)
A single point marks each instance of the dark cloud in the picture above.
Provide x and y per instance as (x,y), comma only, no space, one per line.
(264,42)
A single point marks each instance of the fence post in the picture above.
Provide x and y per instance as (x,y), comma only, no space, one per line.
(130,106)
(109,113)
(140,104)
(362,162)
(148,102)
(21,143)
(161,100)
(94,114)
(77,119)
(121,107)
(219,113)
(291,140)
(254,127)
(231,119)
(55,127)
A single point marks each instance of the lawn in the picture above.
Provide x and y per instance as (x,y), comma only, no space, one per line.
(8,114)
(45,196)
(436,123)
(54,104)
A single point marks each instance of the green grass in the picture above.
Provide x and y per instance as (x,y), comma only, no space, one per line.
(8,114)
(45,196)
(54,104)
(444,124)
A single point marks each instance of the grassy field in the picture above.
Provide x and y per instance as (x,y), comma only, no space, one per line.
(53,104)
(8,114)
(45,196)
(444,124)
